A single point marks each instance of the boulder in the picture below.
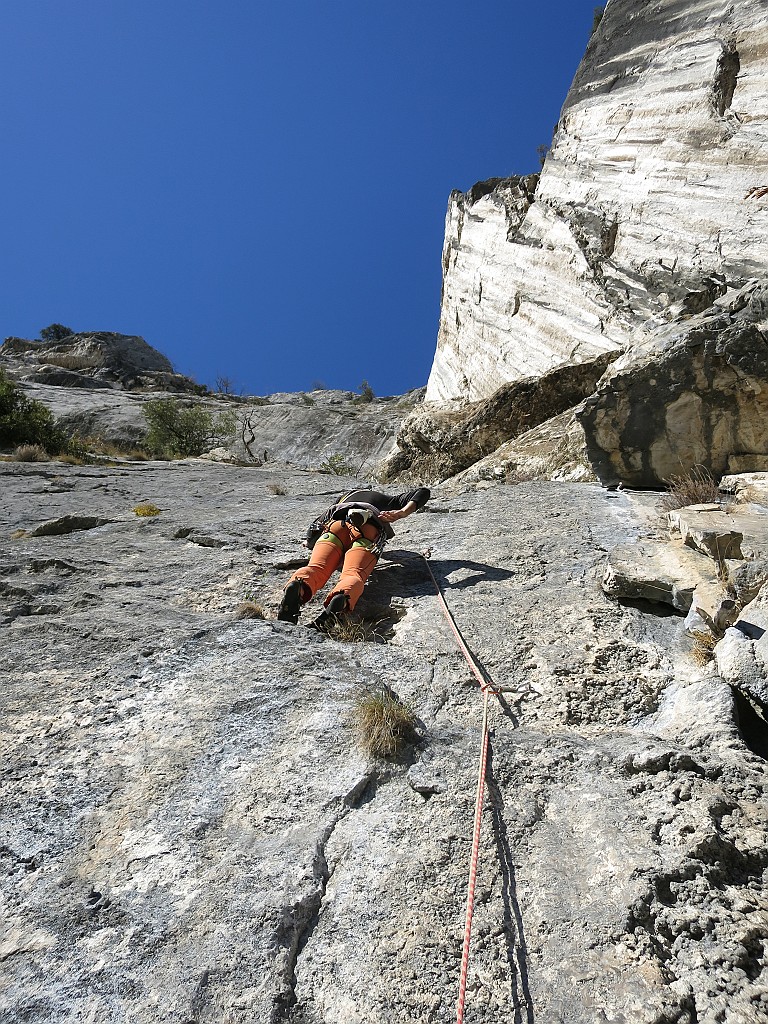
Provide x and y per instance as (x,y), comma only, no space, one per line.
(695,400)
(441,441)
(658,572)
(712,609)
(553,450)
(741,532)
(743,663)
(746,579)
(709,529)
(747,486)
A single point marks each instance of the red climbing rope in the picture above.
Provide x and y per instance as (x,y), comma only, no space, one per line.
(452,623)
(486,690)
(473,862)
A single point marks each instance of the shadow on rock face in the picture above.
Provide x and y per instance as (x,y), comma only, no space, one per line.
(514,934)
(443,568)
(663,611)
(478,572)
(753,728)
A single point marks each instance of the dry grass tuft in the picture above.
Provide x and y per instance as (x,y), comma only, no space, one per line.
(147,509)
(384,724)
(347,631)
(98,446)
(695,488)
(70,460)
(19,534)
(31,453)
(249,610)
(353,630)
(703,647)
(275,488)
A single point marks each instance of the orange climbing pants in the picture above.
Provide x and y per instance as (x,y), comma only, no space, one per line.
(341,545)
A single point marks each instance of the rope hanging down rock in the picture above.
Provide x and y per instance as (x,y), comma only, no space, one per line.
(487,689)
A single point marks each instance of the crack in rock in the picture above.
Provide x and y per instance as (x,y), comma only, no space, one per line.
(300,919)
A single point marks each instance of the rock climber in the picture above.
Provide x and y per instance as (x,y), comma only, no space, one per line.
(351,534)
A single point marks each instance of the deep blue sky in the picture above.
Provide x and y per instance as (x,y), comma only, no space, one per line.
(259,189)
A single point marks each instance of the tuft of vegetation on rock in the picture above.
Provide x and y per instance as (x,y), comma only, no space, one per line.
(350,631)
(384,723)
(147,508)
(695,488)
(250,610)
(31,453)
(703,647)
(366,393)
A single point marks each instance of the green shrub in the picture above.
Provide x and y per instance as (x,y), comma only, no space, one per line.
(26,421)
(178,429)
(76,451)
(366,393)
(338,465)
(56,332)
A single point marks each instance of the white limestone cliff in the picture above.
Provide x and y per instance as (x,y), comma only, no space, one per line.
(646,206)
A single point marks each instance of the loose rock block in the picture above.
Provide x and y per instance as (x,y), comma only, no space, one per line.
(709,529)
(666,573)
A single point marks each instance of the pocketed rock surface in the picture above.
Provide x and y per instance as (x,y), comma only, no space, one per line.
(191,832)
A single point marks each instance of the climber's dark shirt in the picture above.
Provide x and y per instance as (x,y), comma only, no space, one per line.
(388,502)
(383,502)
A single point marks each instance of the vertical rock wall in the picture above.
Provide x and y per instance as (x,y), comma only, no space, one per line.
(642,204)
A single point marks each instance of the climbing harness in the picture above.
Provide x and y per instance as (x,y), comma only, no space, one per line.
(486,689)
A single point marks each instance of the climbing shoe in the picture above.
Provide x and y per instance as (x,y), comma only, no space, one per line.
(291,603)
(338,604)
